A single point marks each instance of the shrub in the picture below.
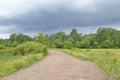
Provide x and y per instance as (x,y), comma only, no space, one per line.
(13,59)
(2,46)
(29,47)
(68,45)
(45,51)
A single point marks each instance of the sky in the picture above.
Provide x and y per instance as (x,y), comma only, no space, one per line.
(49,16)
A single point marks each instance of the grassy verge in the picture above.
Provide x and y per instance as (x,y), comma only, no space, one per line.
(11,64)
(107,59)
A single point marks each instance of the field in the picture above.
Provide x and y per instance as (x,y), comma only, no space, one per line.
(107,59)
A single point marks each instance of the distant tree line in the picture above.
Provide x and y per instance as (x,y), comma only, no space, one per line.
(21,44)
(103,38)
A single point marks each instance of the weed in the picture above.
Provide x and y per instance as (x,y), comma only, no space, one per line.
(107,59)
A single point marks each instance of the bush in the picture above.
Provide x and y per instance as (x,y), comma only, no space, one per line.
(68,45)
(13,59)
(45,51)
(29,47)
(2,46)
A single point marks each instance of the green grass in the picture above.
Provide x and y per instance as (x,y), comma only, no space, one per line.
(10,63)
(15,58)
(107,59)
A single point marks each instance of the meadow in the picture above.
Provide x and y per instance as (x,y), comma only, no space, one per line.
(107,59)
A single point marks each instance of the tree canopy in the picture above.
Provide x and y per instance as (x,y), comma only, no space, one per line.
(103,38)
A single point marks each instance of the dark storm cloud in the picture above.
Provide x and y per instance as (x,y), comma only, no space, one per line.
(67,15)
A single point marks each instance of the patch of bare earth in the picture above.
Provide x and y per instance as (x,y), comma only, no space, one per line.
(59,66)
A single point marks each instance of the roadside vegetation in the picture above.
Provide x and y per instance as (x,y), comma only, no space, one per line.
(17,55)
(107,59)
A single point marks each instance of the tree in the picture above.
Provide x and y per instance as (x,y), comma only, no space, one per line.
(19,38)
(77,44)
(95,45)
(59,35)
(87,41)
(41,38)
(68,45)
(58,43)
(103,34)
(103,38)
(84,43)
(108,37)
(56,39)
(74,35)
(107,44)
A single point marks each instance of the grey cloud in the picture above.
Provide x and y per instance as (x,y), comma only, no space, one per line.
(62,16)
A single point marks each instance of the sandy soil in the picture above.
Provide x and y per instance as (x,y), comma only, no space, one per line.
(59,66)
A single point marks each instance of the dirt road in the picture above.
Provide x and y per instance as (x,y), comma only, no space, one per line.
(59,66)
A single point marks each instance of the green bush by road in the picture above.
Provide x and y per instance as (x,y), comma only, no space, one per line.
(13,59)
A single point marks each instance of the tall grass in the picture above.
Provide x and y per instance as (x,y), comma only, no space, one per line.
(11,64)
(107,59)
(13,59)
